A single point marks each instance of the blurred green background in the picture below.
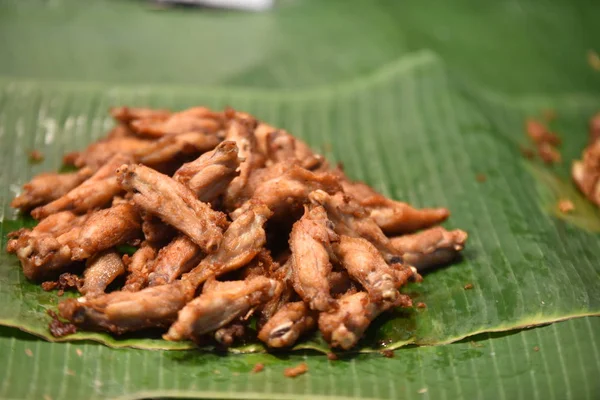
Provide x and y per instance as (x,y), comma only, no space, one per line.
(513,46)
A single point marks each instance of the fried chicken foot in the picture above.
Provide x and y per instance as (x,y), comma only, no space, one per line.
(122,311)
(344,326)
(290,190)
(197,119)
(242,241)
(210,174)
(283,147)
(310,242)
(178,257)
(218,305)
(127,114)
(241,132)
(366,265)
(288,324)
(106,228)
(100,270)
(431,247)
(139,266)
(93,193)
(351,219)
(44,188)
(168,148)
(43,250)
(175,204)
(154,153)
(394,217)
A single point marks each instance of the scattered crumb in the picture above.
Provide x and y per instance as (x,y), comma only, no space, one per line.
(79,352)
(58,328)
(527,153)
(35,156)
(593,60)
(47,397)
(481,178)
(387,353)
(421,305)
(544,140)
(65,281)
(468,286)
(536,348)
(548,153)
(422,391)
(475,344)
(332,356)
(216,371)
(565,206)
(29,352)
(538,133)
(70,372)
(258,367)
(293,372)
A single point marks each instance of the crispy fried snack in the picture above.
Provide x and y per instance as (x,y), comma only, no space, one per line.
(206,195)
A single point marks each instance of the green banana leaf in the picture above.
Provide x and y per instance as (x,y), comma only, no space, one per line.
(416,100)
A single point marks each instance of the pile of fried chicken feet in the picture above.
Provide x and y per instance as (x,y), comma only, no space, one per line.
(231,218)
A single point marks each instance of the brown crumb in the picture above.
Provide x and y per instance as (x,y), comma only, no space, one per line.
(536,348)
(593,60)
(258,367)
(79,352)
(47,397)
(332,356)
(527,153)
(475,344)
(481,178)
(49,285)
(538,133)
(35,156)
(548,153)
(59,328)
(65,281)
(468,286)
(293,372)
(70,372)
(387,353)
(565,206)
(421,305)
(29,352)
